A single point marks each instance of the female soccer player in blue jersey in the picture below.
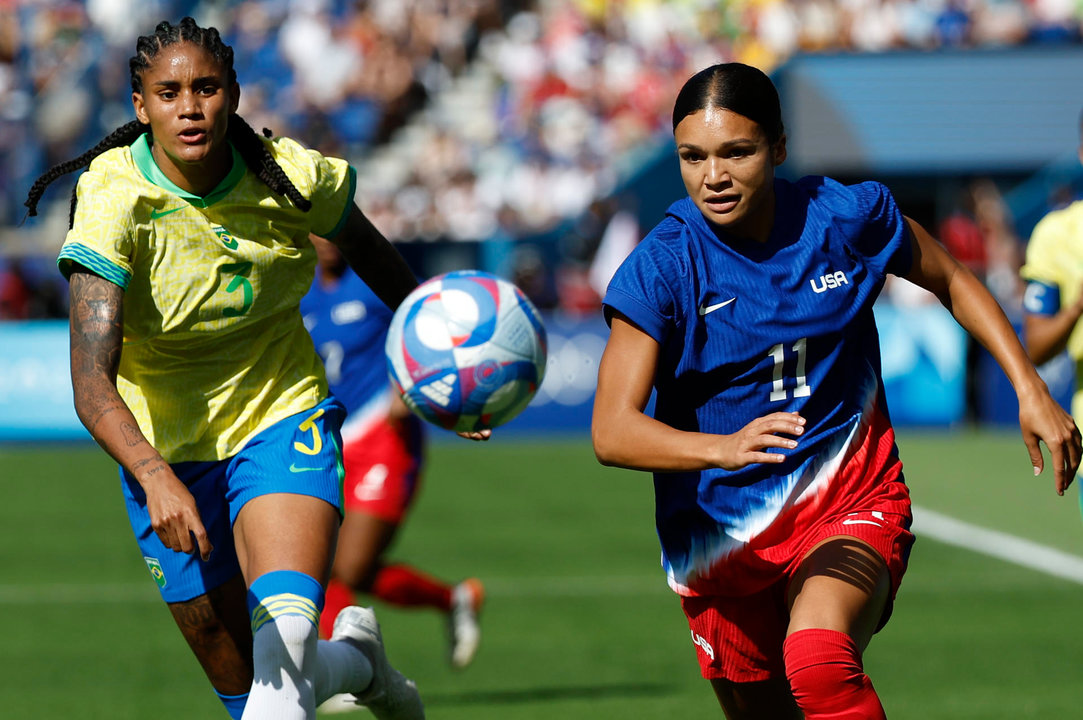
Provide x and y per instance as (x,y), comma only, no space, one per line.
(382,452)
(187,257)
(780,502)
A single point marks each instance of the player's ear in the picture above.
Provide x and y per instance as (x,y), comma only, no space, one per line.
(779,150)
(234,97)
(140,108)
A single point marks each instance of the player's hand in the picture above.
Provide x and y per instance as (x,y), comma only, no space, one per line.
(748,445)
(1042,419)
(173,513)
(476,434)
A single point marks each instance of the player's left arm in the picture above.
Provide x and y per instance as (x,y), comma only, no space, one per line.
(374,258)
(1041,418)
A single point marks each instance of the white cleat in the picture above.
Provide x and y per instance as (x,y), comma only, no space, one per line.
(341,703)
(390,695)
(464,632)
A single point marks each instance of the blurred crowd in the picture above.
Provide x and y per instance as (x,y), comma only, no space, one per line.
(467,119)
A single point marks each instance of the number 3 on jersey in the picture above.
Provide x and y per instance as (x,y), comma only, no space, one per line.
(238,280)
(778,384)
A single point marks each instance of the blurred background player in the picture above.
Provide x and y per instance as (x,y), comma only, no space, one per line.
(1053,301)
(383,445)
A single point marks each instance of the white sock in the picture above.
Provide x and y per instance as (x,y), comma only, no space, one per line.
(284,661)
(340,668)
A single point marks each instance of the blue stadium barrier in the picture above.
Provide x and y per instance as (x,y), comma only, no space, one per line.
(924,361)
(35,383)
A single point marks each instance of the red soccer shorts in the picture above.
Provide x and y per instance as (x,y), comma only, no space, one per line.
(740,638)
(383,470)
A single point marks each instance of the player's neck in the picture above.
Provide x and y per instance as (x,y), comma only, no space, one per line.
(199,179)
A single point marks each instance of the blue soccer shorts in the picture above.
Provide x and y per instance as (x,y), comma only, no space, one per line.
(301,454)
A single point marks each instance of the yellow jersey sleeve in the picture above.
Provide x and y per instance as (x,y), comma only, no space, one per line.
(102,234)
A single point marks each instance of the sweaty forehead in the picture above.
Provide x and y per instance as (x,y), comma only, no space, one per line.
(181,61)
(715,125)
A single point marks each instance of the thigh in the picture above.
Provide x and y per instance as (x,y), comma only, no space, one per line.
(765,700)
(362,541)
(285,531)
(216,627)
(284,491)
(842,584)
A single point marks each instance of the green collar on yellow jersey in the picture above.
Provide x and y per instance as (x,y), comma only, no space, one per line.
(144,160)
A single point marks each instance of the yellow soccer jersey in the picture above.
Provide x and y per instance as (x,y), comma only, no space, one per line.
(214,346)
(1055,258)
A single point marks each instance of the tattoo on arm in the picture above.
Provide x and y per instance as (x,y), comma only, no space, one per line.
(132,435)
(97,326)
(97,331)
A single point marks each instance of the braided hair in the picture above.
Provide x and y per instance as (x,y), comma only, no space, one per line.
(248,144)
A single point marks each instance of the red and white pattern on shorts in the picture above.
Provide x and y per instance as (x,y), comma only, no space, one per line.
(738,635)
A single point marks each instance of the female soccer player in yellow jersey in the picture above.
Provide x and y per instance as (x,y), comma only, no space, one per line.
(187,258)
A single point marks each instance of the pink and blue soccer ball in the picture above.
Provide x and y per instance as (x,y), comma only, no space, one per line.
(466,350)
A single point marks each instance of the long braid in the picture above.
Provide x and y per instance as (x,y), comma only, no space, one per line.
(123,135)
(260,161)
(256,156)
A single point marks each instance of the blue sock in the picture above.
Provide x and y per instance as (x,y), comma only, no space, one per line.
(278,588)
(234,704)
(284,606)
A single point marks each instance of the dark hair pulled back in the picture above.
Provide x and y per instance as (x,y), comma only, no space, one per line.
(737,87)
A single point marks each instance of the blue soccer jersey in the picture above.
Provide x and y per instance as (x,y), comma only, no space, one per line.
(747,329)
(348,324)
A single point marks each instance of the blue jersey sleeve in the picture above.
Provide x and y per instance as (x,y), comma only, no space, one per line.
(885,239)
(641,289)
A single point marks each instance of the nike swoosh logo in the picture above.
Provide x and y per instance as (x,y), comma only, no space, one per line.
(295,469)
(861,522)
(704,309)
(155,214)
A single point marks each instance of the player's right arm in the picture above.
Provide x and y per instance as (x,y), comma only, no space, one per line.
(625,436)
(96,338)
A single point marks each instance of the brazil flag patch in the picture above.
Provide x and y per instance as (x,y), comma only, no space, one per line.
(156,571)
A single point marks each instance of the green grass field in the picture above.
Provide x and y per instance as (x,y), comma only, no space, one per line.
(579,624)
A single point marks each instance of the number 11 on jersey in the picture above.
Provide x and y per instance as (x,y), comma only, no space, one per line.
(778,384)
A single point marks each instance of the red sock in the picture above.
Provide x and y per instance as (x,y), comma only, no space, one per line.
(337,597)
(828,682)
(403,585)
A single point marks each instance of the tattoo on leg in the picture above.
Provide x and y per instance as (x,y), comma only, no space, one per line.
(222,648)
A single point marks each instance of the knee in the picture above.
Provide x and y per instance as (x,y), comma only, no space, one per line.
(358,574)
(826,676)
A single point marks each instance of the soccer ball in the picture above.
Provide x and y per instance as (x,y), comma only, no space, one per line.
(466,350)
